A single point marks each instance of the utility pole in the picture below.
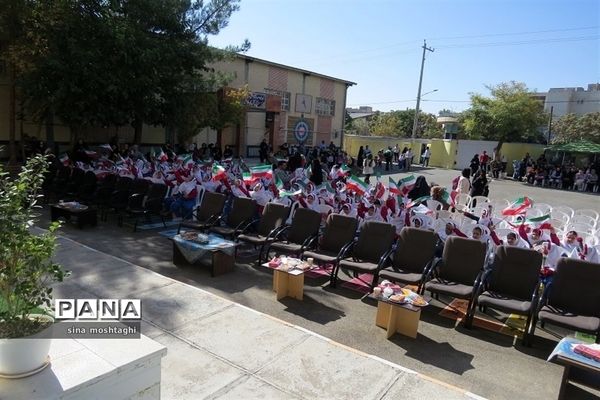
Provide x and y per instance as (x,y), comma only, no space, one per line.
(416,121)
(550,124)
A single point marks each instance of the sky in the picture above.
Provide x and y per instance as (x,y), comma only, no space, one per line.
(377,44)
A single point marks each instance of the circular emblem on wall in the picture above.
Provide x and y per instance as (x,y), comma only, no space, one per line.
(301,131)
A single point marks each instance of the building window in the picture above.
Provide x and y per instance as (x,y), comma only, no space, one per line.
(325,107)
(285,98)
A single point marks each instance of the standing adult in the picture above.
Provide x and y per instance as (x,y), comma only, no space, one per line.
(464,184)
(484,159)
(360,157)
(474,165)
(316,172)
(408,158)
(396,151)
(479,184)
(263,151)
(368,168)
(388,155)
(425,157)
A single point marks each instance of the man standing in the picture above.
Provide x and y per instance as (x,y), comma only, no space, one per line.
(425,157)
(483,161)
(396,151)
(263,151)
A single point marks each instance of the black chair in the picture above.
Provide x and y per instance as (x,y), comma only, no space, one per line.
(87,190)
(572,299)
(339,233)
(512,285)
(369,252)
(207,213)
(146,205)
(300,235)
(458,273)
(118,198)
(412,257)
(242,212)
(270,223)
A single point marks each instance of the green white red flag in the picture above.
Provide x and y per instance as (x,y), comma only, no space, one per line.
(248,178)
(394,188)
(64,159)
(188,161)
(356,185)
(418,201)
(344,170)
(518,206)
(162,156)
(538,220)
(407,184)
(262,171)
(449,197)
(218,172)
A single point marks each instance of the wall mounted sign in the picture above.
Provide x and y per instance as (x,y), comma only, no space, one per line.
(301,131)
(257,100)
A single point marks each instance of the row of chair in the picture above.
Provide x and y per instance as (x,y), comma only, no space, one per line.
(511,283)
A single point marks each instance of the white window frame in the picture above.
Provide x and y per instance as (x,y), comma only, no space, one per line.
(325,107)
(285,98)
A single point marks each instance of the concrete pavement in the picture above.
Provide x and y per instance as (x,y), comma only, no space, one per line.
(218,349)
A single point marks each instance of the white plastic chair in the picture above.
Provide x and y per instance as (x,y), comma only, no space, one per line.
(502,232)
(462,199)
(580,228)
(479,201)
(545,208)
(533,212)
(583,219)
(434,205)
(444,214)
(567,210)
(587,212)
(557,214)
(557,223)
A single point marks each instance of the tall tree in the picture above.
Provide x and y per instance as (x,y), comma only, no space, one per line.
(572,128)
(400,124)
(511,114)
(125,62)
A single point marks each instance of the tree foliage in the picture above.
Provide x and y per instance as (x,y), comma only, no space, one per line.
(400,124)
(511,114)
(125,62)
(572,128)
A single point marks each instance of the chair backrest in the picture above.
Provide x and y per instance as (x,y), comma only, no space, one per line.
(463,199)
(567,210)
(583,219)
(242,210)
(109,180)
(306,222)
(463,259)
(546,208)
(157,191)
(273,216)
(374,240)
(140,186)
(434,205)
(575,287)
(124,183)
(295,206)
(416,247)
(516,272)
(339,230)
(587,212)
(478,201)
(212,204)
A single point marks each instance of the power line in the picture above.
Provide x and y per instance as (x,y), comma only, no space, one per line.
(517,33)
(518,43)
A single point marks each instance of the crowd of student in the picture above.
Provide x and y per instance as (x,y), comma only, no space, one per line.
(541,172)
(313,183)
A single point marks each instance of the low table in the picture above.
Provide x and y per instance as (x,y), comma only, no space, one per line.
(396,317)
(84,216)
(287,283)
(578,368)
(222,253)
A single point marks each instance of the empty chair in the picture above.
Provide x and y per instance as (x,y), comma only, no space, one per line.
(588,213)
(119,197)
(545,208)
(583,219)
(241,214)
(271,221)
(410,266)
(462,201)
(565,209)
(512,285)
(459,271)
(338,233)
(147,204)
(572,299)
(434,205)
(207,213)
(300,235)
(580,228)
(369,252)
(478,201)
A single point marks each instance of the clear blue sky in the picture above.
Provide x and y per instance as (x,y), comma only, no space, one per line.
(376,43)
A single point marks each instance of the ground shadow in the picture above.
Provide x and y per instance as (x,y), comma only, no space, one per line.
(311,309)
(439,354)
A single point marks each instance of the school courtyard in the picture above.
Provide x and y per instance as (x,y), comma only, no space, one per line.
(445,360)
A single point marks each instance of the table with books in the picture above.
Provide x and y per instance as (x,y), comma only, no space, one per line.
(84,215)
(581,361)
(398,309)
(288,276)
(194,248)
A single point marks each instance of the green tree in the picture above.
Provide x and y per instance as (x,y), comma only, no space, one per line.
(400,124)
(511,114)
(572,127)
(121,62)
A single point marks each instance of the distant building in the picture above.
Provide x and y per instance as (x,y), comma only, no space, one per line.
(360,112)
(449,123)
(570,100)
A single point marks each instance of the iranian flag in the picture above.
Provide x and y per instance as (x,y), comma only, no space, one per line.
(64,159)
(162,156)
(106,147)
(407,184)
(218,172)
(538,220)
(248,178)
(287,193)
(418,201)
(326,186)
(518,206)
(344,170)
(355,184)
(188,161)
(449,197)
(394,187)
(262,171)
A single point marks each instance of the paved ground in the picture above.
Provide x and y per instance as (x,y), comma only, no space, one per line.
(218,349)
(479,361)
